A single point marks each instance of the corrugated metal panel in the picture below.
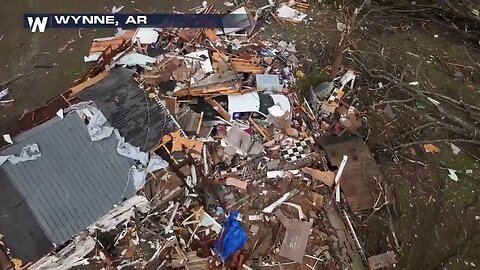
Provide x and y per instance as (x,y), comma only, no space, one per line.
(74,182)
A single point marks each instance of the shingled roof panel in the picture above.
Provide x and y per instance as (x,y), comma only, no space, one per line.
(127,107)
(74,182)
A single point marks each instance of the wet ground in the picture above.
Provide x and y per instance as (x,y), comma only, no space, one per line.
(435,219)
(57,53)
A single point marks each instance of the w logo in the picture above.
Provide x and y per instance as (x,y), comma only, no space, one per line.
(37,23)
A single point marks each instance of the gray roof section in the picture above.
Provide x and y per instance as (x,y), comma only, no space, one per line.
(23,235)
(74,182)
(138,118)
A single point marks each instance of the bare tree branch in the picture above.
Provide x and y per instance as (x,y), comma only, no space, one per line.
(430,141)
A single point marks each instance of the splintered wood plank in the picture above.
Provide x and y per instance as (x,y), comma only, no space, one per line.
(219,57)
(206,91)
(259,129)
(210,34)
(100,45)
(228,92)
(187,34)
(80,87)
(217,107)
(171,105)
(200,121)
(307,112)
(242,66)
(303,7)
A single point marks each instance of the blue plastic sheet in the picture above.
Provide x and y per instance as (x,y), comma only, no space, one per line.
(232,238)
(267,52)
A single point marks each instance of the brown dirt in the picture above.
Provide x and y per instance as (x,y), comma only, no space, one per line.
(62,49)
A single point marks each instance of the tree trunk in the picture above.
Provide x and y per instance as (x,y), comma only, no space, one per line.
(338,56)
(350,25)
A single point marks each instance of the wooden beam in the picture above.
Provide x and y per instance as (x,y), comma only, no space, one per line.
(205,91)
(217,107)
(171,105)
(80,87)
(307,112)
(241,65)
(210,34)
(150,76)
(66,100)
(169,153)
(200,120)
(258,128)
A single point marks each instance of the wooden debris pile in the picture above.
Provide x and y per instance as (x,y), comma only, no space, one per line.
(245,161)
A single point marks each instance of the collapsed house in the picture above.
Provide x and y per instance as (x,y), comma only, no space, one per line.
(185,149)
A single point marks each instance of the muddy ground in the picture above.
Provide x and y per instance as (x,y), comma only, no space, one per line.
(57,53)
(433,222)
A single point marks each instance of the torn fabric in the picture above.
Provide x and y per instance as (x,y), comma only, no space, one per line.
(232,239)
(98,128)
(139,176)
(127,150)
(29,152)
(156,163)
(139,173)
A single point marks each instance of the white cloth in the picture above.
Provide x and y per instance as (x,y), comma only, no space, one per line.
(29,152)
(127,150)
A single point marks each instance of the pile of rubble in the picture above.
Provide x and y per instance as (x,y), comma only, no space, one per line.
(248,183)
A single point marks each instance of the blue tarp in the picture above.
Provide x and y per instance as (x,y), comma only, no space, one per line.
(232,238)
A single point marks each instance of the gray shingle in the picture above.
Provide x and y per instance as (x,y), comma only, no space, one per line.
(138,118)
(22,233)
(74,182)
